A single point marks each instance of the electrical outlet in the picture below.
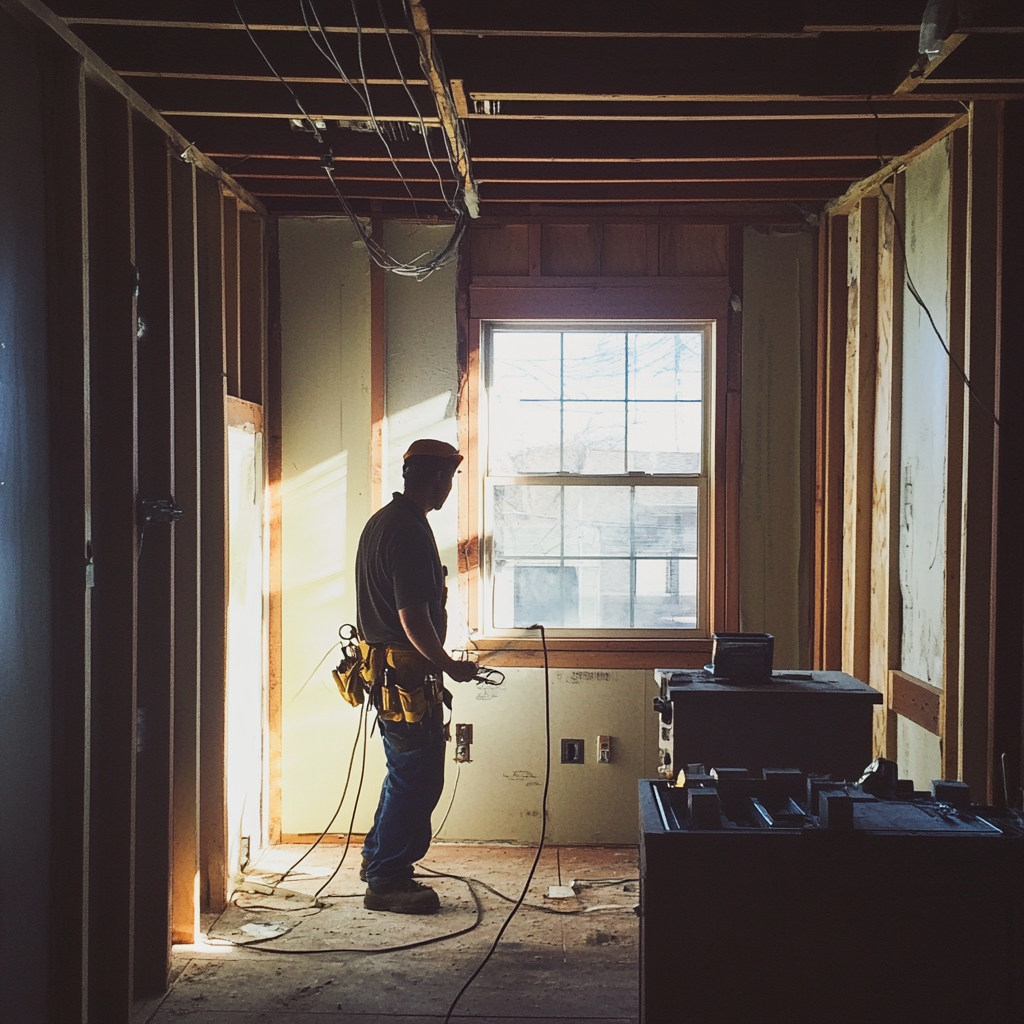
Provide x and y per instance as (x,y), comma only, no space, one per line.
(604,750)
(463,739)
(572,752)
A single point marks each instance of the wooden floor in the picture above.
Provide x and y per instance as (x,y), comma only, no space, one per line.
(559,961)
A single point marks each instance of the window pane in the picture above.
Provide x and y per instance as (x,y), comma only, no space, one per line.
(524,402)
(524,436)
(595,437)
(604,593)
(665,366)
(582,594)
(666,594)
(595,366)
(527,521)
(665,521)
(526,364)
(665,437)
(596,521)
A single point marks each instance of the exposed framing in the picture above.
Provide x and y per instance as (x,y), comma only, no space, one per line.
(964,713)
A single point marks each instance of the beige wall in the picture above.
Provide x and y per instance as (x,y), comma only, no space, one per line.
(775,498)
(325,501)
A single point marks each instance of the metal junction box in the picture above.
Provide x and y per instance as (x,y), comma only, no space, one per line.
(818,721)
(889,911)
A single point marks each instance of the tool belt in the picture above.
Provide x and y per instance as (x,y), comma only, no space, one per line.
(401,684)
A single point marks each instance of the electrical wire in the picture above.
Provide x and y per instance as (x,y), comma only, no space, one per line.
(513,899)
(355,807)
(415,106)
(258,944)
(451,803)
(427,262)
(360,727)
(309,678)
(364,95)
(369,104)
(911,287)
(460,127)
(423,265)
(543,829)
(266,59)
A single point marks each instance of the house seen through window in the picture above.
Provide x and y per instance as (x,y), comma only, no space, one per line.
(596,489)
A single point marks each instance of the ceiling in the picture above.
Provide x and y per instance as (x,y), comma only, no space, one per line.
(652,107)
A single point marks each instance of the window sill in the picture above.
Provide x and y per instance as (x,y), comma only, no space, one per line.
(591,652)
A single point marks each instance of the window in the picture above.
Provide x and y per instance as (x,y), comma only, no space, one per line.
(596,490)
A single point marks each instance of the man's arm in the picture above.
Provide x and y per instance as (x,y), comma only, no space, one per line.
(421,633)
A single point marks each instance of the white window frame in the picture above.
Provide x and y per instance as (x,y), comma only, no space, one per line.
(701,479)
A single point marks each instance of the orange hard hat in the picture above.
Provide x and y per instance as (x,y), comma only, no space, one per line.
(438,449)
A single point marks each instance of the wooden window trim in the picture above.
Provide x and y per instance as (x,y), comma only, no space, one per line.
(605,299)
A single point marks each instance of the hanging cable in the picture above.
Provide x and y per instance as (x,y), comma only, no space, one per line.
(355,807)
(337,810)
(424,264)
(364,95)
(543,828)
(309,678)
(266,59)
(415,106)
(911,287)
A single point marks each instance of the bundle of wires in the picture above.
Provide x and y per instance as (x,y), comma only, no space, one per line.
(425,263)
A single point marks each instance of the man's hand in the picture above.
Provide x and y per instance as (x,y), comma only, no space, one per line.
(420,631)
(461,671)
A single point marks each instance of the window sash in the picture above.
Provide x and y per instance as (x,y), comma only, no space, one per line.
(699,480)
(701,557)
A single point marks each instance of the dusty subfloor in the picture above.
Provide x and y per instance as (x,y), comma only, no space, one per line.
(576,962)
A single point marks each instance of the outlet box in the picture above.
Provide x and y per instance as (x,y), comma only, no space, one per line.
(463,739)
(572,752)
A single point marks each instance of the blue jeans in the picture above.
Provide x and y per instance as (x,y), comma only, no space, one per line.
(401,831)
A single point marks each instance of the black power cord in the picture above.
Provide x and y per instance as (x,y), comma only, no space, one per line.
(259,947)
(911,287)
(543,829)
(360,727)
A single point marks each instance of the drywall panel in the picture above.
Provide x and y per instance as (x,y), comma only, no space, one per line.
(919,754)
(499,794)
(924,424)
(422,378)
(778,337)
(325,500)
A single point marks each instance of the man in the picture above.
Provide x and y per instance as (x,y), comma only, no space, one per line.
(400,599)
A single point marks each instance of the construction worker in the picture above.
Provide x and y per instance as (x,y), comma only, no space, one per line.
(400,599)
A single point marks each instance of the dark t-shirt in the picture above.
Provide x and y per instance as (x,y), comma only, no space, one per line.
(397,566)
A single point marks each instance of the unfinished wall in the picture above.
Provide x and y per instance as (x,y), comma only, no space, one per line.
(778,340)
(921,565)
(25,684)
(924,446)
(422,378)
(925,381)
(326,501)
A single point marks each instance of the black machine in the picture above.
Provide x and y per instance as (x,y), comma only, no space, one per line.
(821,721)
(778,897)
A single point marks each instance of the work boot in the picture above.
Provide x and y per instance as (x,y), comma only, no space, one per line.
(408,897)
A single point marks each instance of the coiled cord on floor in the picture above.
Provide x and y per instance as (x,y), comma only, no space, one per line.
(543,830)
